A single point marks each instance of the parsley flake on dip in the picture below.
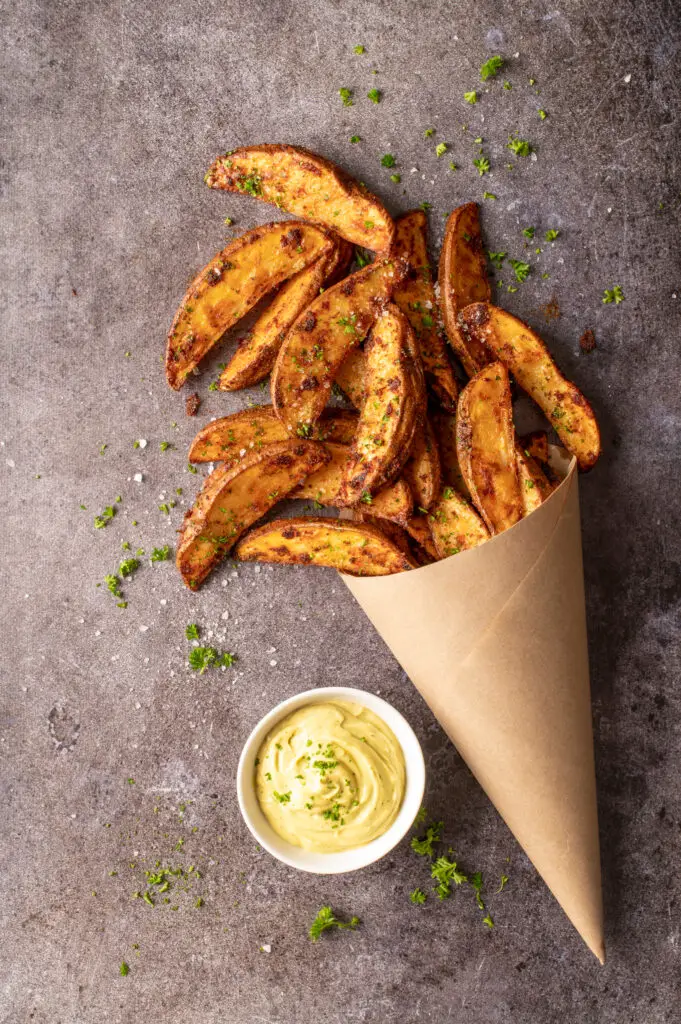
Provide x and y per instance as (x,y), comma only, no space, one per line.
(330,776)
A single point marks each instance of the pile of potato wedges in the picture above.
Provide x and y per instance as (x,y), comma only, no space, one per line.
(424,465)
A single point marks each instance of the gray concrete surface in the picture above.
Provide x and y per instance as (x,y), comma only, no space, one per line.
(110,115)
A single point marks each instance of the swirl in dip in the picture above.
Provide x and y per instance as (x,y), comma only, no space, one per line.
(330,776)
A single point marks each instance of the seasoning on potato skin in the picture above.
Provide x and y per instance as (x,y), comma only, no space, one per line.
(330,776)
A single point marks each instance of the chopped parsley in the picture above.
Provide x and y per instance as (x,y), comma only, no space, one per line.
(425,206)
(504,880)
(428,132)
(551,235)
(251,183)
(325,920)
(496,258)
(160,554)
(128,567)
(124,969)
(491,68)
(529,233)
(388,160)
(374,95)
(542,115)
(355,138)
(614,294)
(441,149)
(346,96)
(397,178)
(105,517)
(488,921)
(418,896)
(165,445)
(201,658)
(445,871)
(192,631)
(482,164)
(520,269)
(283,798)
(520,147)
(489,195)
(113,585)
(471,97)
(359,49)
(425,845)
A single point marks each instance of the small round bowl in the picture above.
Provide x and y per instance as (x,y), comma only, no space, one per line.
(344,860)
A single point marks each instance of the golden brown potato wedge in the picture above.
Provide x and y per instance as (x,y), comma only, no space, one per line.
(535,486)
(463,279)
(255,357)
(394,532)
(232,283)
(418,529)
(444,426)
(422,468)
(526,356)
(234,497)
(350,377)
(455,525)
(306,185)
(232,437)
(536,444)
(315,347)
(416,298)
(387,420)
(357,549)
(486,447)
(392,502)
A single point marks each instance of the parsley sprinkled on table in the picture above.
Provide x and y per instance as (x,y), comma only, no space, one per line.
(325,920)
(491,68)
(614,294)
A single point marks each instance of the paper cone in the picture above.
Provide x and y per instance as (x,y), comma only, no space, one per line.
(495,640)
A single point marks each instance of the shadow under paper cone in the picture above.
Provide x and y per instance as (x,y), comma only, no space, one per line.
(495,640)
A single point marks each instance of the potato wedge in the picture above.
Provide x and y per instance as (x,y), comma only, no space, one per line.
(455,525)
(234,497)
(418,529)
(485,443)
(351,377)
(306,185)
(255,357)
(526,356)
(393,531)
(535,487)
(422,468)
(357,549)
(312,353)
(393,502)
(232,283)
(416,298)
(444,426)
(536,444)
(463,279)
(387,420)
(230,438)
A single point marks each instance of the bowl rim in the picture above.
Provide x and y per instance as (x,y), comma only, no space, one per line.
(359,856)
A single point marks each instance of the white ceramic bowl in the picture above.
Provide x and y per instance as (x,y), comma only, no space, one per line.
(344,860)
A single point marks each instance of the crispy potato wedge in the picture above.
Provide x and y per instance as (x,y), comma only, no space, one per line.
(232,283)
(393,502)
(444,426)
(393,531)
(387,420)
(422,468)
(416,298)
(485,442)
(536,444)
(255,357)
(315,347)
(230,438)
(535,487)
(234,497)
(455,525)
(351,377)
(418,529)
(526,356)
(463,279)
(306,185)
(358,549)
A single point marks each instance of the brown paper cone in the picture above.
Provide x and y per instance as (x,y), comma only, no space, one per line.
(495,640)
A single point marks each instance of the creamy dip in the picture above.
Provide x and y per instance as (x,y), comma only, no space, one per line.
(330,776)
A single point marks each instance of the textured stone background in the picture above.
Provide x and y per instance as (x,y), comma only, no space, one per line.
(110,115)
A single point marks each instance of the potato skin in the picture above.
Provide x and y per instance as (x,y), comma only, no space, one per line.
(415,296)
(422,468)
(255,357)
(315,347)
(308,186)
(486,447)
(463,280)
(355,548)
(225,440)
(232,283)
(526,356)
(234,497)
